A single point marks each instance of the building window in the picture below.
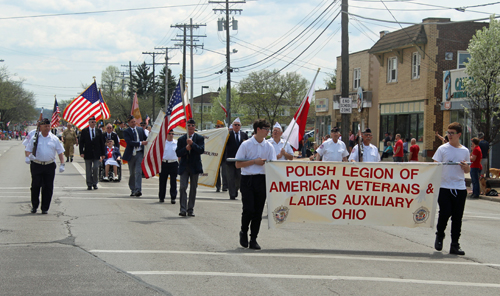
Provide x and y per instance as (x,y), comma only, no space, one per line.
(463,56)
(356,78)
(415,65)
(407,125)
(392,69)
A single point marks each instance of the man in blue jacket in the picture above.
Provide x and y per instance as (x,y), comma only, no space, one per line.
(134,153)
(190,147)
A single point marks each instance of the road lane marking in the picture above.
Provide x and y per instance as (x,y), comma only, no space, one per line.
(79,168)
(317,277)
(288,255)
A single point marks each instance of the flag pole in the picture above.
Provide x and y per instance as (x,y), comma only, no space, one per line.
(302,106)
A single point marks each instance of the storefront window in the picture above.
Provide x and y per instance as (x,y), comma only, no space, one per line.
(407,125)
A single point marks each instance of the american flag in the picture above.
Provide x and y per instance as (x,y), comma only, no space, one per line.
(89,103)
(151,163)
(54,122)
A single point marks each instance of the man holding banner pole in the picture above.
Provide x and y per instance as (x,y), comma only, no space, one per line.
(252,156)
(370,151)
(453,192)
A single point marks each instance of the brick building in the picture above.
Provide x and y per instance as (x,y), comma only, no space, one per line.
(411,64)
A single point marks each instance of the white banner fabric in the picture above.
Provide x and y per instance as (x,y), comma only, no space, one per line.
(342,193)
(215,142)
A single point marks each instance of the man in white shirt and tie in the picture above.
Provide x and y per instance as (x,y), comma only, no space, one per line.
(169,168)
(282,152)
(236,137)
(92,150)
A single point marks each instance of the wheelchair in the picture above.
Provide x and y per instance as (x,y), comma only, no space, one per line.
(110,173)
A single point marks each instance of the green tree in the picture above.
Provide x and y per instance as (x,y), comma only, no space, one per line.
(482,85)
(270,95)
(331,80)
(112,88)
(16,103)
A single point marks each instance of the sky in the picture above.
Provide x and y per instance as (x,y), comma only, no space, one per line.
(57,46)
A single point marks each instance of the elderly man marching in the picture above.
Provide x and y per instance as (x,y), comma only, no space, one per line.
(333,149)
(369,151)
(282,152)
(69,139)
(41,156)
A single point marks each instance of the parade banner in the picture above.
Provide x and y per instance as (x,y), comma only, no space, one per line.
(343,193)
(215,142)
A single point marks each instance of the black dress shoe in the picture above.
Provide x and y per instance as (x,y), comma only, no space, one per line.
(191,215)
(243,239)
(183,214)
(33,210)
(67,159)
(138,193)
(232,197)
(172,201)
(89,187)
(132,194)
(95,187)
(218,190)
(162,200)
(254,245)
(438,244)
(71,159)
(224,189)
(45,213)
(456,250)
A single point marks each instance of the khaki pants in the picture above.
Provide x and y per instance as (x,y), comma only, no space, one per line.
(69,149)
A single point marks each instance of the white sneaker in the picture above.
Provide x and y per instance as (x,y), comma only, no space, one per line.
(116,178)
(105,178)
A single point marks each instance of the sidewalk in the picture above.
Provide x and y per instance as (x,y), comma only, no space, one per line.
(495,184)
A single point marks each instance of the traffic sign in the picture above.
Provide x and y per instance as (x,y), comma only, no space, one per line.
(345,106)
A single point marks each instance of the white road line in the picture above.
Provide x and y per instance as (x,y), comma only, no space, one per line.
(317,277)
(79,168)
(288,255)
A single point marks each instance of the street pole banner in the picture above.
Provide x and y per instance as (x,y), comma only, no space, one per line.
(215,142)
(342,193)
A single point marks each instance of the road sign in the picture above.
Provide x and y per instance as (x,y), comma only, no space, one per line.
(345,106)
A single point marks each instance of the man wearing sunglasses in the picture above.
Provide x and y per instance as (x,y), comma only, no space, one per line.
(236,137)
(369,151)
(190,147)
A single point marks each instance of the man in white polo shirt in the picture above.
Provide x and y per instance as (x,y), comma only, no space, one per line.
(282,152)
(369,151)
(253,181)
(41,156)
(332,149)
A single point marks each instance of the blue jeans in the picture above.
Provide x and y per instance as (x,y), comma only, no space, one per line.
(474,177)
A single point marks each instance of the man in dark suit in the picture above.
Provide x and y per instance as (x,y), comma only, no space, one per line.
(236,137)
(190,147)
(110,134)
(134,153)
(92,150)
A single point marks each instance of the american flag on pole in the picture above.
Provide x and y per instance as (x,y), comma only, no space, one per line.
(151,164)
(54,122)
(89,103)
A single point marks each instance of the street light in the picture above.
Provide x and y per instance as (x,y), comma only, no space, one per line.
(201,125)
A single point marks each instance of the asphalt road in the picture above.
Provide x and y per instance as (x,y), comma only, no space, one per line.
(106,243)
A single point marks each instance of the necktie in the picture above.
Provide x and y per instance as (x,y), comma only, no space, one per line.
(92,135)
(237,139)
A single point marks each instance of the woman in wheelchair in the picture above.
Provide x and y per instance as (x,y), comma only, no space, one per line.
(111,158)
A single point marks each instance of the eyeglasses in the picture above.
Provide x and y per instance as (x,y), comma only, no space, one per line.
(190,125)
(368,135)
(170,133)
(451,133)
(236,124)
(265,128)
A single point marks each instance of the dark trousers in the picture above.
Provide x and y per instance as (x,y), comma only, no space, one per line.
(233,179)
(397,158)
(451,204)
(92,171)
(192,178)
(168,169)
(253,196)
(222,175)
(42,176)
(474,177)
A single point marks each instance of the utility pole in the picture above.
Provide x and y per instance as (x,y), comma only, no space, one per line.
(346,118)
(166,73)
(154,81)
(184,44)
(130,75)
(227,11)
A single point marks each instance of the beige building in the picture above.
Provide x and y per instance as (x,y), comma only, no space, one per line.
(363,77)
